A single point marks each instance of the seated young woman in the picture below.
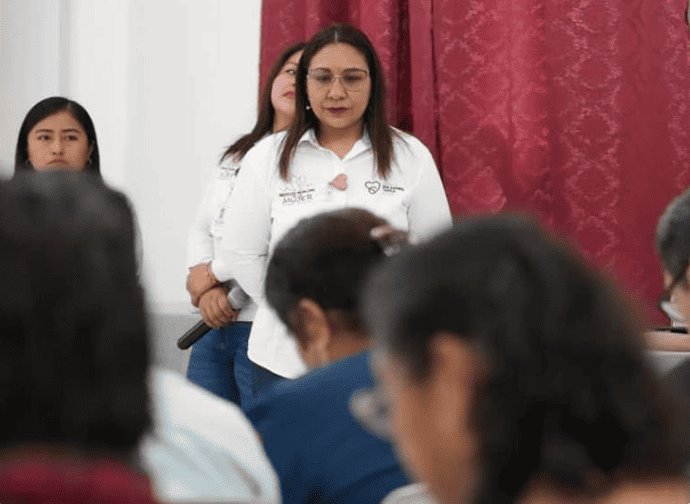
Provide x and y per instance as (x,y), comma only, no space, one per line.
(313,281)
(57,134)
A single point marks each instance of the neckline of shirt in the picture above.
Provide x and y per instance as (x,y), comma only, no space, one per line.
(361,145)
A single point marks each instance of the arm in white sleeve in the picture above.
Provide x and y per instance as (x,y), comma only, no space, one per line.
(243,251)
(428,212)
(200,240)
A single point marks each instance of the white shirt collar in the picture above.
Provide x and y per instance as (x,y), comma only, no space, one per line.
(360,145)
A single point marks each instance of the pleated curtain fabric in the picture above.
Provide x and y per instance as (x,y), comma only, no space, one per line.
(576,110)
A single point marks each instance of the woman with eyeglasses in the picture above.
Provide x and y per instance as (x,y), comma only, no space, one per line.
(673,247)
(313,281)
(218,361)
(339,153)
(515,374)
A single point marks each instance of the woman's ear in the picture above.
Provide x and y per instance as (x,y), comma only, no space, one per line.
(315,335)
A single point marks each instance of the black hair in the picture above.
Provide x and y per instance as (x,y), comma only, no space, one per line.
(48,107)
(673,236)
(74,349)
(375,121)
(266,113)
(327,259)
(568,395)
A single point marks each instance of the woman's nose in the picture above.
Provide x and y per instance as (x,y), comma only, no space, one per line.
(336,89)
(57,146)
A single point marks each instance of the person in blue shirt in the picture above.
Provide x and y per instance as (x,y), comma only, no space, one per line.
(320,452)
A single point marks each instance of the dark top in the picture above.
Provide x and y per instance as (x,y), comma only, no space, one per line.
(320,452)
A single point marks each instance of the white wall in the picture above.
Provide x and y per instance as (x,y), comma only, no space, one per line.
(29,64)
(169,83)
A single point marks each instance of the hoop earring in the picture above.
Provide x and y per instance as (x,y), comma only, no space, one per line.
(89,161)
(308,107)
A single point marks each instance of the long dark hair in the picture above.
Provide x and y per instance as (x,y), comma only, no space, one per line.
(266,113)
(46,108)
(375,122)
(74,350)
(568,395)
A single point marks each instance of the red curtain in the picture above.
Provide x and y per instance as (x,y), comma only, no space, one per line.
(576,110)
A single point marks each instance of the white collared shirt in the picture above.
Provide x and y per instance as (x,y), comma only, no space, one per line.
(210,214)
(264,207)
(205,233)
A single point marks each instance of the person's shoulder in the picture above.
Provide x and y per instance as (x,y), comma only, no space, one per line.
(309,393)
(287,396)
(235,465)
(172,394)
(402,139)
(267,146)
(273,140)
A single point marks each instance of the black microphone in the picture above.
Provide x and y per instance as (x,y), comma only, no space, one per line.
(193,335)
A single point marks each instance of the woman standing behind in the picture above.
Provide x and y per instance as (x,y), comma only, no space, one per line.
(219,360)
(57,133)
(339,153)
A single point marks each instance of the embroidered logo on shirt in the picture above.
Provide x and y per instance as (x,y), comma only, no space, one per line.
(372,186)
(296,191)
(228,171)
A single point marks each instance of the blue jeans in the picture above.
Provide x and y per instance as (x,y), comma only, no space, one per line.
(219,363)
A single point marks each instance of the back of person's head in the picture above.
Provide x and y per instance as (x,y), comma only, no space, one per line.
(48,107)
(561,391)
(74,349)
(673,236)
(326,259)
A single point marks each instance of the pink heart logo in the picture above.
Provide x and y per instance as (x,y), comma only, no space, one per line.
(339,182)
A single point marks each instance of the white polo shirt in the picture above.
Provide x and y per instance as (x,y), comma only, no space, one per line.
(205,233)
(264,207)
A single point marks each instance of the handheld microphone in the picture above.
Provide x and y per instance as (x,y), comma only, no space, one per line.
(238,299)
(193,335)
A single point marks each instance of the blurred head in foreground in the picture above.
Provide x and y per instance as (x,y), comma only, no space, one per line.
(513,372)
(73,345)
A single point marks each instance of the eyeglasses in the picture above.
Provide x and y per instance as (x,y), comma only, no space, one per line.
(371,409)
(666,305)
(352,79)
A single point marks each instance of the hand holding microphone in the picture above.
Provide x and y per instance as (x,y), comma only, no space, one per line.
(215,308)
(218,308)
